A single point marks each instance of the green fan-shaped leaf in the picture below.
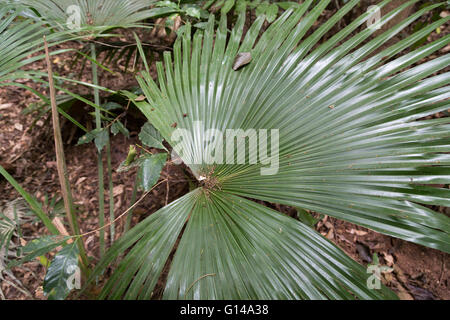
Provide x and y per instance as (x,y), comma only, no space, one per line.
(94,15)
(234,248)
(351,144)
(20,40)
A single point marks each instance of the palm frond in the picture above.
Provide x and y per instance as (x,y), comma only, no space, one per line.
(92,14)
(352,144)
(21,40)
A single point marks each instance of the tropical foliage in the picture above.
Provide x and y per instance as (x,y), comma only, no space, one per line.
(353,144)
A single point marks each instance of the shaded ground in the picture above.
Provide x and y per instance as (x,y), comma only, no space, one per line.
(28,154)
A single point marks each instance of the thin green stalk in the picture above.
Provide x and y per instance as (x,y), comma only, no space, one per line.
(101,184)
(111,193)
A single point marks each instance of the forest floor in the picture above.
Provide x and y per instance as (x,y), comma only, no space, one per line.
(27,152)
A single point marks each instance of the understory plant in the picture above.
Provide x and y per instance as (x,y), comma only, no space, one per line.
(353,145)
(345,121)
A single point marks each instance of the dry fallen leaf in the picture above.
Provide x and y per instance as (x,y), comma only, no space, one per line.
(357,232)
(18,126)
(389,259)
(241,60)
(5,106)
(118,190)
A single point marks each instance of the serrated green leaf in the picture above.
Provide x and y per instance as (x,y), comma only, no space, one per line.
(61,270)
(150,242)
(150,170)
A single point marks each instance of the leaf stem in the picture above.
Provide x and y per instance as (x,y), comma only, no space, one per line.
(111,193)
(133,200)
(61,161)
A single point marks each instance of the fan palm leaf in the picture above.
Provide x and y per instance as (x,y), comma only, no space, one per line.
(352,145)
(20,41)
(94,15)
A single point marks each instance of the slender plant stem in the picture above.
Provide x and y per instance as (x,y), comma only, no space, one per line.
(111,193)
(101,184)
(61,161)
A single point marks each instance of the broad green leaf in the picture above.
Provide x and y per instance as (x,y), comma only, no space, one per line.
(89,136)
(117,127)
(168,4)
(101,139)
(58,280)
(192,11)
(151,137)
(272,12)
(150,170)
(306,217)
(99,136)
